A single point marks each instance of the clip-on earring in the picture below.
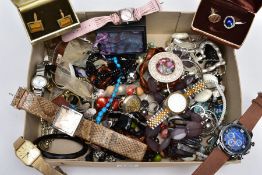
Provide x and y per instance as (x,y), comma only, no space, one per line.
(65,20)
(36,25)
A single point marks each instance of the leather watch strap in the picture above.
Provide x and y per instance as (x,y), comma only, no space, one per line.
(250,118)
(41,165)
(213,163)
(88,130)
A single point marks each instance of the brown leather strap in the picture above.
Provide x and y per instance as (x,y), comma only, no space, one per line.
(41,165)
(88,130)
(253,114)
(213,163)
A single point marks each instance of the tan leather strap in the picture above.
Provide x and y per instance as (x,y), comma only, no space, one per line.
(213,163)
(250,118)
(88,130)
(41,165)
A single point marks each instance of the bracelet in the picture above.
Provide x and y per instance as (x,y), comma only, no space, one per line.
(62,137)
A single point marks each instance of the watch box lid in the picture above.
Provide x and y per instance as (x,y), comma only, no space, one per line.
(250,5)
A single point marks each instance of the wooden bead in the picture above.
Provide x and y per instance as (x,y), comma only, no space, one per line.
(139,91)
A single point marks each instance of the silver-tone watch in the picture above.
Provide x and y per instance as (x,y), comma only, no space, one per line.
(39,81)
(127,15)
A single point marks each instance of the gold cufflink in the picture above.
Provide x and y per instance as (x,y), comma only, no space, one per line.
(36,25)
(214,17)
(65,20)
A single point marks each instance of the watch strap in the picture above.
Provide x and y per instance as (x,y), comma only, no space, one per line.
(151,7)
(41,165)
(253,114)
(40,70)
(19,142)
(35,105)
(91,25)
(88,130)
(213,163)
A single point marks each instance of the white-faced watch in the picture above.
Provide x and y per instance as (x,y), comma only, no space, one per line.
(127,15)
(39,81)
(31,156)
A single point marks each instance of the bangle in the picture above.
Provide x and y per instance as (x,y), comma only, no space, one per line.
(50,155)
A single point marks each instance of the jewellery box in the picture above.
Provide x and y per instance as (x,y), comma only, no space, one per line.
(46,19)
(160,27)
(226,21)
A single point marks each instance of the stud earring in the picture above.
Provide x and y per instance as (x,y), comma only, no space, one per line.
(65,20)
(36,25)
(214,17)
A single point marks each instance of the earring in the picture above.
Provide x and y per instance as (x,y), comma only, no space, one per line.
(36,25)
(214,17)
(65,20)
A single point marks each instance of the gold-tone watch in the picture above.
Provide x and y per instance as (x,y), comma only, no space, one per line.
(30,155)
(175,103)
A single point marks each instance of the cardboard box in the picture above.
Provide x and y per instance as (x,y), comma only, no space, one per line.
(46,19)
(160,27)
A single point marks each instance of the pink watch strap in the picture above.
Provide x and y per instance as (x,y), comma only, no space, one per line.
(151,7)
(98,22)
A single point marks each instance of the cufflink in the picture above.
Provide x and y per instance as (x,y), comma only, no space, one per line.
(65,20)
(36,25)
(214,17)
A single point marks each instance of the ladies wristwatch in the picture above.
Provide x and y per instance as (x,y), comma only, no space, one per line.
(39,81)
(122,16)
(30,155)
(234,140)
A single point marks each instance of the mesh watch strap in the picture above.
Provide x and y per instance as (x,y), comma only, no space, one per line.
(41,165)
(213,163)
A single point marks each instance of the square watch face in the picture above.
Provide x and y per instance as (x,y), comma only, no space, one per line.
(67,120)
(28,153)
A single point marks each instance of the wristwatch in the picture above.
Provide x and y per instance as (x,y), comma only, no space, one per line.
(234,140)
(72,123)
(39,81)
(30,155)
(122,16)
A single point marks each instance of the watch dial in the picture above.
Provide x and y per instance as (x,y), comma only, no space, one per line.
(236,139)
(39,82)
(126,15)
(28,153)
(177,102)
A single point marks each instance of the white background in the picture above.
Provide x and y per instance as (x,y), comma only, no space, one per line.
(15,53)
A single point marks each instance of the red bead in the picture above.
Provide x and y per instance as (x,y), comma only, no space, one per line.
(101,102)
(115,105)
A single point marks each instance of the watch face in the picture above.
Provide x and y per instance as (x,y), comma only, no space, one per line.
(67,120)
(39,82)
(126,15)
(235,139)
(28,153)
(177,102)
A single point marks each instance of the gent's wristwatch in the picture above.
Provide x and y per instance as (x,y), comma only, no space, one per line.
(30,155)
(39,81)
(234,140)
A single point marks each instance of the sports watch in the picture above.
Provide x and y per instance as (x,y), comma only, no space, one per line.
(30,155)
(234,140)
(39,81)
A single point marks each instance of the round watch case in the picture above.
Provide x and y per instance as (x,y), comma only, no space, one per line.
(227,148)
(177,102)
(127,15)
(39,82)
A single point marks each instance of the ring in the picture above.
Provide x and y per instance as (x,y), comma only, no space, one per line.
(230,22)
(214,17)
